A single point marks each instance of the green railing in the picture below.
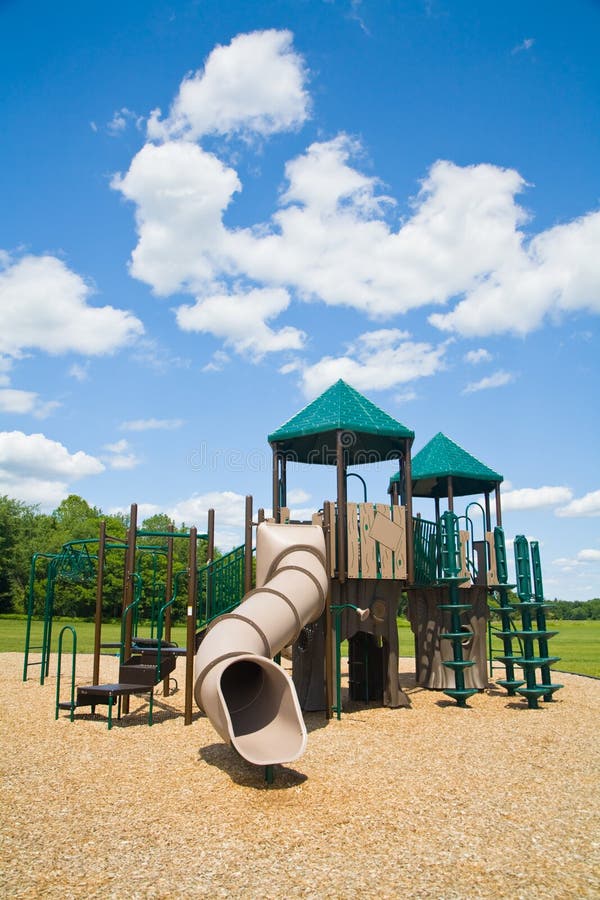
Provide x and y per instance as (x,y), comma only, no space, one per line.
(220,586)
(425,551)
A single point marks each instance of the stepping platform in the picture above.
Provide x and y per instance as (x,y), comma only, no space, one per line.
(98,694)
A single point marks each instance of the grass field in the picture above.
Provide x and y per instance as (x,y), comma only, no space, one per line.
(577,644)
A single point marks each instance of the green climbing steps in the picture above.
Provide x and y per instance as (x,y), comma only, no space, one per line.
(451,565)
(505,611)
(533,629)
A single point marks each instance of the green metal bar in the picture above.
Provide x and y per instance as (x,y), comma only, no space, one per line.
(360,478)
(73,664)
(168,534)
(48,613)
(337,611)
(31,607)
(110,708)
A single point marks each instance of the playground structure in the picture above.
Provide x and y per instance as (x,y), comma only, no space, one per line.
(338,577)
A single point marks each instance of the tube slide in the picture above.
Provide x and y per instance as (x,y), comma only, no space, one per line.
(250,700)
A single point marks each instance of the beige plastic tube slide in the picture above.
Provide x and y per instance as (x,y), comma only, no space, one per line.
(250,700)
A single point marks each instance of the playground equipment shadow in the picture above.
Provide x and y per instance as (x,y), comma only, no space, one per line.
(229,762)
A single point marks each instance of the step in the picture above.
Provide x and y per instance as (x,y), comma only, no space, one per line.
(94,694)
(535,635)
(459,663)
(507,659)
(551,688)
(455,606)
(532,692)
(66,704)
(532,605)
(461,695)
(456,635)
(536,662)
(510,685)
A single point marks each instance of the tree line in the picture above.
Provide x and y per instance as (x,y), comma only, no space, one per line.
(25,531)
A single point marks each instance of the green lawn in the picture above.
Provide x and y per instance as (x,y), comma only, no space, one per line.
(577,644)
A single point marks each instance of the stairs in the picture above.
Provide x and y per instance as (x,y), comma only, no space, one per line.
(146,667)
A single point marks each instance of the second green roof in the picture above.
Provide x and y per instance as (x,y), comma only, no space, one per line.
(442,457)
(369,434)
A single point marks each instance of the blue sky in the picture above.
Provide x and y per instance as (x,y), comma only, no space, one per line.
(212,211)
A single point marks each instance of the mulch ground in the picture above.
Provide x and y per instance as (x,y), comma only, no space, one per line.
(493,801)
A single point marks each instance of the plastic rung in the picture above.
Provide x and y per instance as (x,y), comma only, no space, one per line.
(550,688)
(459,663)
(537,661)
(507,659)
(531,604)
(457,606)
(536,635)
(536,691)
(460,693)
(510,684)
(501,587)
(457,635)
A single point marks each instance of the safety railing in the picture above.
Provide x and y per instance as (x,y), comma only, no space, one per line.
(426,550)
(220,585)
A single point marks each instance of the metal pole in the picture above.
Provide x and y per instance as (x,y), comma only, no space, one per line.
(329,675)
(275,483)
(168,596)
(488,516)
(248,547)
(450,494)
(128,588)
(190,645)
(98,610)
(410,541)
(341,508)
(210,550)
(283,482)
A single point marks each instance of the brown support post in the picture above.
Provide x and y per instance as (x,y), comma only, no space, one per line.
(276,504)
(408,499)
(248,547)
(168,595)
(283,481)
(450,494)
(329,669)
(210,550)
(98,611)
(488,515)
(498,507)
(437,509)
(261,515)
(190,644)
(341,508)
(128,588)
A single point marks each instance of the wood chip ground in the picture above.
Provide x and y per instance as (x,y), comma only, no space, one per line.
(494,801)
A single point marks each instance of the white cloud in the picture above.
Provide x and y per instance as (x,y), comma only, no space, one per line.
(80,372)
(151,424)
(498,379)
(376,361)
(255,84)
(6,364)
(589,555)
(121,119)
(44,306)
(241,321)
(535,498)
(588,505)
(25,402)
(121,455)
(557,273)
(474,357)
(217,362)
(296,496)
(526,44)
(36,469)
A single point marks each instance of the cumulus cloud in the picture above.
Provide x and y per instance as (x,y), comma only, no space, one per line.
(535,498)
(589,555)
(120,455)
(254,85)
(26,402)
(151,424)
(44,306)
(588,505)
(241,321)
(36,469)
(474,357)
(377,360)
(497,379)
(525,44)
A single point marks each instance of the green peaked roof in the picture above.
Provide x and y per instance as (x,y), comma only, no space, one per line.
(442,457)
(370,434)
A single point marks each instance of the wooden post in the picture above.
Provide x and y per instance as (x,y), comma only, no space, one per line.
(450,494)
(261,516)
(276,503)
(437,509)
(498,507)
(410,541)
(248,546)
(210,550)
(128,588)
(98,610)
(190,644)
(488,516)
(329,672)
(168,595)
(283,488)
(341,508)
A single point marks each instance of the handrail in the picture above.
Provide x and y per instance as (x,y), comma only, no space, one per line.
(337,610)
(73,665)
(137,596)
(160,620)
(30,609)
